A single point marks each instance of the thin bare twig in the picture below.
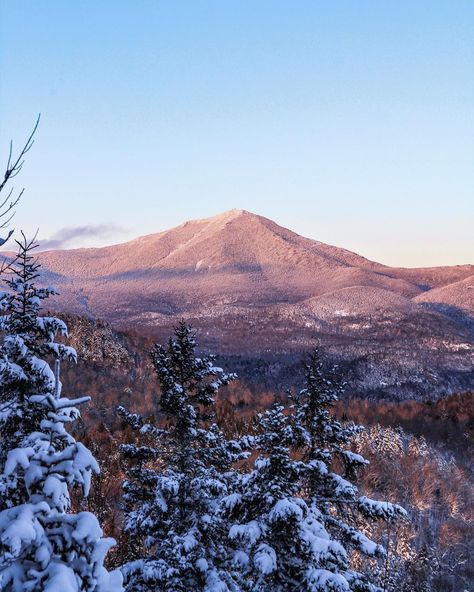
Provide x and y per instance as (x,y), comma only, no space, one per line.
(13,168)
(8,204)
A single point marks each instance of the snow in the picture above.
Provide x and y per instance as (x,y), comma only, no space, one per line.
(383,510)
(86,527)
(18,457)
(343,487)
(202,564)
(355,458)
(42,367)
(285,508)
(241,558)
(323,580)
(61,578)
(214,583)
(189,542)
(250,532)
(19,527)
(230,501)
(265,559)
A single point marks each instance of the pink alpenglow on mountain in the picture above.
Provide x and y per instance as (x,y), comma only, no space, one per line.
(252,287)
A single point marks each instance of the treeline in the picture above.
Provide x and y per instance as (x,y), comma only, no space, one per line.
(115,369)
(447,422)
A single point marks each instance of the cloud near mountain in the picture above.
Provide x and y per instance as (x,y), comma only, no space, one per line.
(65,236)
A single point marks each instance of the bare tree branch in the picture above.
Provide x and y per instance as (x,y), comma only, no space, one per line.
(9,202)
(14,166)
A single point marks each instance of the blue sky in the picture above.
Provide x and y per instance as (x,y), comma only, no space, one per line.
(348,121)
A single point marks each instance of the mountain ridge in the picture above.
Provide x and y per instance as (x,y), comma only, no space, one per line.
(252,287)
(331,253)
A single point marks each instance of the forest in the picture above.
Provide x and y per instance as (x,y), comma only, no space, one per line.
(420,453)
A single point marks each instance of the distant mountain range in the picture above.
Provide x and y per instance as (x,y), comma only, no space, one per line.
(256,290)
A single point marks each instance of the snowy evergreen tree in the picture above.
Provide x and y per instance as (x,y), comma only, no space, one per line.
(273,527)
(43,547)
(331,469)
(177,477)
(293,514)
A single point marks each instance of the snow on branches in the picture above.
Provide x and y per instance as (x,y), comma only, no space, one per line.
(177,477)
(43,547)
(294,515)
(198,519)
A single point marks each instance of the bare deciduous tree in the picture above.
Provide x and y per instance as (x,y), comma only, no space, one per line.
(9,201)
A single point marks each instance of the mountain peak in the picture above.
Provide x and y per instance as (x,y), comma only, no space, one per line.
(232,214)
(221,218)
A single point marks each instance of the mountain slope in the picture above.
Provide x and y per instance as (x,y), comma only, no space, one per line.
(253,287)
(459,295)
(240,253)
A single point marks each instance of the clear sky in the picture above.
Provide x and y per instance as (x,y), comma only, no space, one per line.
(348,121)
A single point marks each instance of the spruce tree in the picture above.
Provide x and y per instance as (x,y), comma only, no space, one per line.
(331,473)
(293,515)
(43,547)
(274,530)
(177,475)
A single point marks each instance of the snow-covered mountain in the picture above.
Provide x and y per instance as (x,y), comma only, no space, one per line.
(251,286)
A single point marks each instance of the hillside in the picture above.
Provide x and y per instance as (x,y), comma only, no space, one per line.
(255,289)
(457,295)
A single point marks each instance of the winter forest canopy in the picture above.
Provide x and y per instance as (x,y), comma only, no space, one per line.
(198,493)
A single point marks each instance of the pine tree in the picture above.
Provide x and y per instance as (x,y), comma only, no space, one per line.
(177,476)
(293,514)
(43,547)
(331,471)
(273,527)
